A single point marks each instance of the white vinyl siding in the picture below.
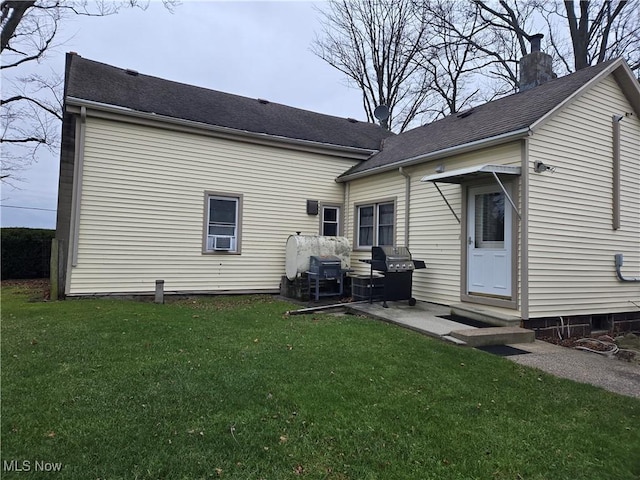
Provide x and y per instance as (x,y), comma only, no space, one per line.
(571,240)
(435,232)
(141,214)
(385,187)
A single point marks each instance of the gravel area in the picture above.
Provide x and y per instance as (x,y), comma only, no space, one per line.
(607,372)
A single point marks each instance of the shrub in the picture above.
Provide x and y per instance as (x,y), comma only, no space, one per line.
(26,252)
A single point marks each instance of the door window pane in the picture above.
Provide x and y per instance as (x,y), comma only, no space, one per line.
(489,220)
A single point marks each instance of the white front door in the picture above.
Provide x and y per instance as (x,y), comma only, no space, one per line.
(489,246)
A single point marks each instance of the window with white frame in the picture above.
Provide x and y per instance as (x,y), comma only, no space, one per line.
(222,223)
(375,224)
(330,221)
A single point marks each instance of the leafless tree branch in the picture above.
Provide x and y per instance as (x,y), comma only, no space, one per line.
(32,109)
(374,44)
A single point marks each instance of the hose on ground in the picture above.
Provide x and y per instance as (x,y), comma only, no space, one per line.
(613,348)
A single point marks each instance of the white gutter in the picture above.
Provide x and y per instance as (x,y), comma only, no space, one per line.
(446,152)
(360,153)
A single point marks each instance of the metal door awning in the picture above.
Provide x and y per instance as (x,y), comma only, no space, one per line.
(471,173)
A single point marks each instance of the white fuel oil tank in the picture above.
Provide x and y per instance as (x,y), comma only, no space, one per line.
(301,247)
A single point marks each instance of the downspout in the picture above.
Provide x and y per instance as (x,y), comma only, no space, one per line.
(407,202)
(619,262)
(619,258)
(345,214)
(615,223)
(524,232)
(77,190)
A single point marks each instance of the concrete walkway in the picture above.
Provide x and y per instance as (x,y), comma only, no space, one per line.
(609,373)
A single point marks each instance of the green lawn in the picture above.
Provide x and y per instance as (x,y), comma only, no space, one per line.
(229,387)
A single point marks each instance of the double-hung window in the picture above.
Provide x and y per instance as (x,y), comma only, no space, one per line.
(222,223)
(330,221)
(375,224)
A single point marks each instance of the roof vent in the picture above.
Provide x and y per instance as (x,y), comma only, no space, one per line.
(535,41)
(352,120)
(133,73)
(466,113)
(263,101)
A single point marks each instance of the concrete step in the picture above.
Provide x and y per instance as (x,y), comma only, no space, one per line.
(480,337)
(453,340)
(491,315)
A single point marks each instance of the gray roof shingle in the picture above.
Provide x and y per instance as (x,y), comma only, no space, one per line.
(98,82)
(498,117)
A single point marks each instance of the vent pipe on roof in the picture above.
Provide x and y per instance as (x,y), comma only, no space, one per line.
(536,68)
(535,41)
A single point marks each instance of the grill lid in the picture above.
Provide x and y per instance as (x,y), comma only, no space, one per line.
(325,259)
(391,259)
(390,253)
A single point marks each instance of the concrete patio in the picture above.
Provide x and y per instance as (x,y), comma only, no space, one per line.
(609,373)
(427,318)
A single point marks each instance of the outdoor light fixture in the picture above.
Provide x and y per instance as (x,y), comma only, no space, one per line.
(540,167)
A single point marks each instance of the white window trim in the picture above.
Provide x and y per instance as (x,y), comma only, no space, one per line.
(235,240)
(338,218)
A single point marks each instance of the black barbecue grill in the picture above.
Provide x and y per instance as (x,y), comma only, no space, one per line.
(325,268)
(397,266)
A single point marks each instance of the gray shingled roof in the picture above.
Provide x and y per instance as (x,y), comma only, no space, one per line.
(498,117)
(98,82)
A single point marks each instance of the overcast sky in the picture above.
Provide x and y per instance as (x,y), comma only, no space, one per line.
(255,49)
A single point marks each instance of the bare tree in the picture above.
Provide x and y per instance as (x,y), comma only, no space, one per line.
(375,45)
(469,59)
(599,30)
(436,57)
(30,120)
(579,33)
(31,104)
(422,58)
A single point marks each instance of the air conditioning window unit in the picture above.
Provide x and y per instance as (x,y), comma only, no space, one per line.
(221,242)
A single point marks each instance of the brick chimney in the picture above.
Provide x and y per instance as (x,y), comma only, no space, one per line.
(536,67)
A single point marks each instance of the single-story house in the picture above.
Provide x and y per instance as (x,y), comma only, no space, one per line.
(526,207)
